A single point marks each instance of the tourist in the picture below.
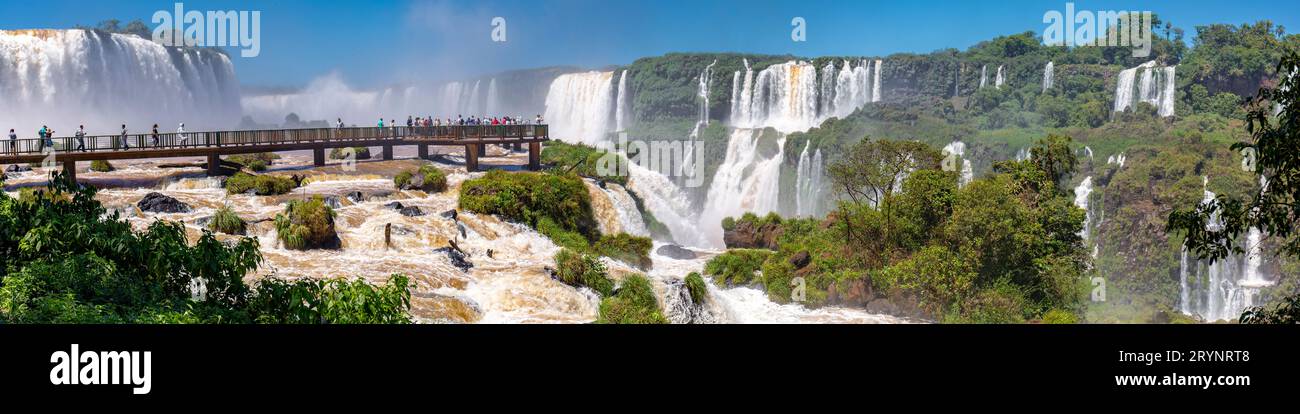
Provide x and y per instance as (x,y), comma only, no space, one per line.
(409,122)
(381,122)
(538,121)
(13,141)
(122,139)
(155,135)
(81,138)
(40,134)
(180,131)
(339,124)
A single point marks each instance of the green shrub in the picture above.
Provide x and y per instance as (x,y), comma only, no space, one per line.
(359,153)
(402,179)
(101,166)
(698,290)
(528,197)
(1060,316)
(263,185)
(626,248)
(579,270)
(561,237)
(430,179)
(334,301)
(736,267)
(307,225)
(254,162)
(225,220)
(582,159)
(634,303)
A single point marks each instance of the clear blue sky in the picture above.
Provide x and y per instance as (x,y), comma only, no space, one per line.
(384,41)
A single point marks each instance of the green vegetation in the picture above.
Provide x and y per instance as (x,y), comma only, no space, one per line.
(736,267)
(358,153)
(530,198)
(696,287)
(101,166)
(583,160)
(307,224)
(633,303)
(581,270)
(625,248)
(427,178)
(262,184)
(104,272)
(254,162)
(225,220)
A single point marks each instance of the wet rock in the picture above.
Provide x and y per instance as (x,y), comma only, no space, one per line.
(411,211)
(17,168)
(159,203)
(356,196)
(449,214)
(855,293)
(394,205)
(801,259)
(333,202)
(203,221)
(676,252)
(747,234)
(456,258)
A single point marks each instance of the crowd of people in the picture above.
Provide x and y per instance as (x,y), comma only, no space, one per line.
(45,137)
(416,121)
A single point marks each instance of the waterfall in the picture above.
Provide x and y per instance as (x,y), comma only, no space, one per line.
(474,105)
(668,203)
(1087,151)
(1224,288)
(957,150)
(578,107)
(808,182)
(493,107)
(1254,252)
(875,85)
(617,205)
(828,83)
(620,104)
(1048,72)
(1156,87)
(742,97)
(65,78)
(1117,159)
(984,75)
(747,181)
(998,80)
(1081,194)
(702,96)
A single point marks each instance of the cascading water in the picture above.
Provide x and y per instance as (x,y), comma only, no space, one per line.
(1224,288)
(578,107)
(808,180)
(876,90)
(65,78)
(747,181)
(1081,194)
(620,104)
(1156,87)
(1049,72)
(984,75)
(954,151)
(998,80)
(493,105)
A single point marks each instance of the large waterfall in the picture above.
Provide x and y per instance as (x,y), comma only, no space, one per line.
(66,78)
(747,181)
(808,182)
(792,96)
(1049,73)
(578,106)
(1224,288)
(1156,87)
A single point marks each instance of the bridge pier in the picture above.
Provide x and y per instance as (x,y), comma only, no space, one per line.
(534,155)
(388,153)
(70,170)
(471,157)
(423,151)
(318,156)
(214,165)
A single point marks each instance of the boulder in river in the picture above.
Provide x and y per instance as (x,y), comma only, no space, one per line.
(13,168)
(457,258)
(160,203)
(675,252)
(394,205)
(411,211)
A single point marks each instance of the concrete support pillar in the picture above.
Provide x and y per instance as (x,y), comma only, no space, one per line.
(214,165)
(534,156)
(471,157)
(70,170)
(423,151)
(388,152)
(318,157)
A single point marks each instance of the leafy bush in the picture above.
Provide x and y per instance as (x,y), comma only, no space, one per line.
(101,166)
(736,267)
(626,248)
(580,270)
(359,153)
(254,162)
(225,220)
(307,225)
(528,198)
(263,185)
(584,160)
(427,178)
(698,290)
(1060,316)
(634,303)
(107,273)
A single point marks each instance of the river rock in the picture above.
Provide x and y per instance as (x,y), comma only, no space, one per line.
(13,168)
(356,196)
(748,235)
(449,214)
(411,211)
(799,260)
(855,293)
(159,203)
(394,205)
(333,202)
(676,252)
(457,258)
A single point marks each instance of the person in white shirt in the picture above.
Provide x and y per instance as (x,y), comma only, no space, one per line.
(180,131)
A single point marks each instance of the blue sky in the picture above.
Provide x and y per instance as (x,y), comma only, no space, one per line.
(380,42)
